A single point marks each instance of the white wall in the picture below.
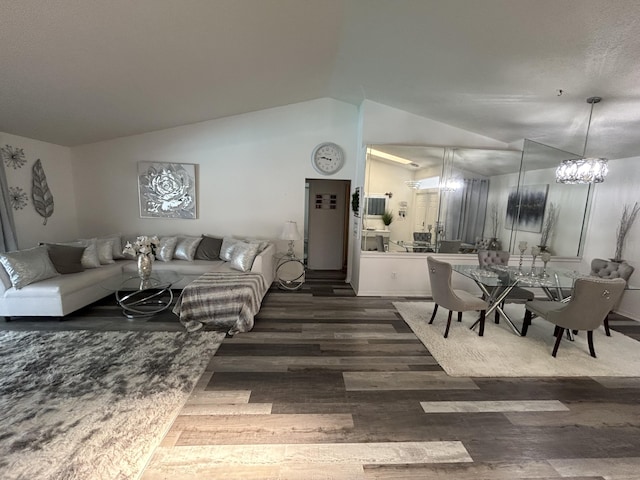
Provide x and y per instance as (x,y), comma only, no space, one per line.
(384,124)
(251,171)
(619,188)
(56,162)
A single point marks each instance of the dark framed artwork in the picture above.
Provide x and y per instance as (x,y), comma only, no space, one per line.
(167,190)
(525,208)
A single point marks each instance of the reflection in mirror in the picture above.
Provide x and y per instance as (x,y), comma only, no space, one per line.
(480,198)
(554,214)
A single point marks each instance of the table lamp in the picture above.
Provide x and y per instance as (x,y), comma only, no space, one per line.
(290,232)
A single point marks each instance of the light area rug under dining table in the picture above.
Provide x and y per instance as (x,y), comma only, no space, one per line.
(502,353)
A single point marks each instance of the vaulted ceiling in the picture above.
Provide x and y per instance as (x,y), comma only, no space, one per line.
(75,71)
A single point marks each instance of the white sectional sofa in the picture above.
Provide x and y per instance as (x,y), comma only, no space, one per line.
(62,294)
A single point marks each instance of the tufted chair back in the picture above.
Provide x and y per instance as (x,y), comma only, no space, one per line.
(482,243)
(487,258)
(450,246)
(607,269)
(590,303)
(422,237)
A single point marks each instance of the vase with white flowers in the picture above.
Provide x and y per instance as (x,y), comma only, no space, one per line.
(144,248)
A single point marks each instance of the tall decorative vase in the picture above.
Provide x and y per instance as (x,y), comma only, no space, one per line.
(145,264)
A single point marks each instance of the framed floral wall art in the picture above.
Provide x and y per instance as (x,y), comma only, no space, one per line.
(167,190)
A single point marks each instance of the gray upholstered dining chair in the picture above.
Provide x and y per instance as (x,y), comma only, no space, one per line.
(449,246)
(488,258)
(608,269)
(592,299)
(422,241)
(453,300)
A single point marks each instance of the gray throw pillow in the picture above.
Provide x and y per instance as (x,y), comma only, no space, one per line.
(65,258)
(209,248)
(28,266)
(186,248)
(166,249)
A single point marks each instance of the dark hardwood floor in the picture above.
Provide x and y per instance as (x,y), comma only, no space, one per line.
(332,386)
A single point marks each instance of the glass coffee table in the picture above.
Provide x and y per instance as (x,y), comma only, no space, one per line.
(143,298)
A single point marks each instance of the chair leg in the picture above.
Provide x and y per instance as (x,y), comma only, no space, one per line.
(558,339)
(526,322)
(435,309)
(481,320)
(592,350)
(446,331)
(497,315)
(606,326)
(459,316)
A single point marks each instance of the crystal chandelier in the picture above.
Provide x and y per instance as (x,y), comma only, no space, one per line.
(583,170)
(414,184)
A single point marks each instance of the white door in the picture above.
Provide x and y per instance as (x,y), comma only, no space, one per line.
(326,224)
(425,211)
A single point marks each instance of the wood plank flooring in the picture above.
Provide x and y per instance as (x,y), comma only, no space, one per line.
(333,386)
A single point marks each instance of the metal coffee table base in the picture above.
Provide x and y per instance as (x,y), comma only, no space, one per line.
(145,302)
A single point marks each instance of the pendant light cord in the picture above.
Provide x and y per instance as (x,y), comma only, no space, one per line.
(590,100)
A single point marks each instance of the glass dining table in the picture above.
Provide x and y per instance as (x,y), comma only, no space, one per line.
(497,281)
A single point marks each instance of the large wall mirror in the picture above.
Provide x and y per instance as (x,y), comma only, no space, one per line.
(458,200)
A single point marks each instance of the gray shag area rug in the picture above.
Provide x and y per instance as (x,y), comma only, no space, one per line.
(502,353)
(92,405)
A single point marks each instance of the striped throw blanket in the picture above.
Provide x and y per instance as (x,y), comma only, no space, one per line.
(224,301)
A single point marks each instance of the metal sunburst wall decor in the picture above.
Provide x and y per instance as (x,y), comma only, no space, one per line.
(167,190)
(18,198)
(13,157)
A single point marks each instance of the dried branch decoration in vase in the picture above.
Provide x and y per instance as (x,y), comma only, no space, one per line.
(629,214)
(548,226)
(495,220)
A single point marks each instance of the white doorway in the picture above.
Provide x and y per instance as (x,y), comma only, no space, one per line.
(426,209)
(326,224)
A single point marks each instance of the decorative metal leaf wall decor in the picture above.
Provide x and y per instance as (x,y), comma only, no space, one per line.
(40,193)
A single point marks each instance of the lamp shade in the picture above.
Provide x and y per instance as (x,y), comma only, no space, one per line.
(290,231)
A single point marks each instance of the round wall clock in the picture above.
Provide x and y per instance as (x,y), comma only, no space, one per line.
(327,158)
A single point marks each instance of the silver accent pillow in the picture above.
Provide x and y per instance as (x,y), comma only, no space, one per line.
(105,251)
(227,245)
(117,245)
(186,248)
(242,255)
(166,249)
(28,266)
(90,258)
(4,278)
